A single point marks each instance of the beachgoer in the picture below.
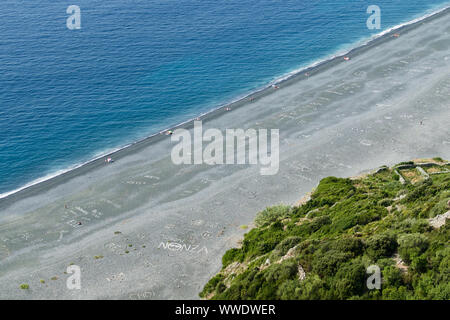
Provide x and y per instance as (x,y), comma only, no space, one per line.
(346,58)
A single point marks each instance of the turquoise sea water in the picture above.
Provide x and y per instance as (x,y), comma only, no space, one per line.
(139,66)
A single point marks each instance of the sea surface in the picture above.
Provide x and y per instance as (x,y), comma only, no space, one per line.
(137,67)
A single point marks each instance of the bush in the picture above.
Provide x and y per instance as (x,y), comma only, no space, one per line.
(367,217)
(440,292)
(272,214)
(350,280)
(380,246)
(385,202)
(392,277)
(260,241)
(411,225)
(332,189)
(411,244)
(220,287)
(352,245)
(318,223)
(230,256)
(444,268)
(400,293)
(311,288)
(233,293)
(419,263)
(289,290)
(326,264)
(278,273)
(421,191)
(283,247)
(439,208)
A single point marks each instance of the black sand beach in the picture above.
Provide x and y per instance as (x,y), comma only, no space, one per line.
(154,230)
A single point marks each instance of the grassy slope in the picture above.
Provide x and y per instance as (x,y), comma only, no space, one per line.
(321,249)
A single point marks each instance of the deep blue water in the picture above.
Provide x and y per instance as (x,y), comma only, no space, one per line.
(139,66)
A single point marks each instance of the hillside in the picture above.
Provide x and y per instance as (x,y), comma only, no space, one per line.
(394,218)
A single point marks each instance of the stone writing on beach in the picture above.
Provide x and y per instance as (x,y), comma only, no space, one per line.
(173,246)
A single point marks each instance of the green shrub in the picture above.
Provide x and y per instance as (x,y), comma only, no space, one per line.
(440,292)
(232,293)
(385,202)
(393,293)
(368,216)
(318,223)
(350,280)
(279,272)
(283,247)
(419,263)
(439,208)
(412,244)
(353,245)
(289,290)
(332,189)
(311,288)
(272,214)
(230,256)
(381,245)
(444,268)
(220,287)
(392,277)
(327,263)
(261,241)
(421,191)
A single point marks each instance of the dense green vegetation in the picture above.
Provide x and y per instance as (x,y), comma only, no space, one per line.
(321,249)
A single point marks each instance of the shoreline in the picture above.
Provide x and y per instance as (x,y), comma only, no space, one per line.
(52,180)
